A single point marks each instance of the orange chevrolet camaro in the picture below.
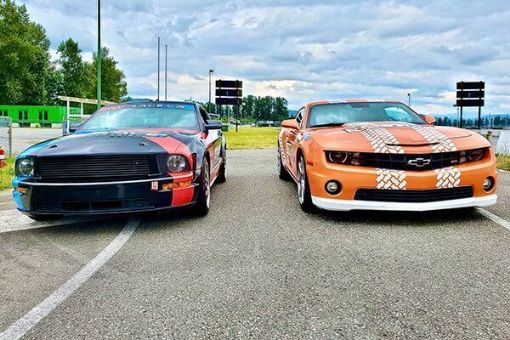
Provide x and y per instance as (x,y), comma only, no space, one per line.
(382,155)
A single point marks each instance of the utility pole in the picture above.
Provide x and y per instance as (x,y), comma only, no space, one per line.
(211,71)
(99,54)
(166,70)
(158,65)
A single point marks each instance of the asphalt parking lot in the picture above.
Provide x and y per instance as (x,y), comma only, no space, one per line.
(258,267)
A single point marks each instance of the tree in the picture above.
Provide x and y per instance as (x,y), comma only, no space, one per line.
(24,57)
(54,85)
(281,111)
(113,80)
(72,69)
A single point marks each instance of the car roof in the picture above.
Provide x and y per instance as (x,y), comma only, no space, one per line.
(148,101)
(354,100)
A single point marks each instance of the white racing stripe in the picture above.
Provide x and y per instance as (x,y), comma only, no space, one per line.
(494,218)
(33,317)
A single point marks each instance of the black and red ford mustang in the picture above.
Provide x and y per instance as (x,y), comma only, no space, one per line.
(135,157)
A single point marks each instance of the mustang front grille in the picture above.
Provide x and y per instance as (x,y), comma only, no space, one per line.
(416,196)
(93,168)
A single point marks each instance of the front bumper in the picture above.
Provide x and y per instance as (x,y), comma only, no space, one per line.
(103,198)
(347,205)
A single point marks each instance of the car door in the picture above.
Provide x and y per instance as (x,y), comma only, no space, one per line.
(213,142)
(291,144)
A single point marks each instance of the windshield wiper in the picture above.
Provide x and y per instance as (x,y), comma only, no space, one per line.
(327,124)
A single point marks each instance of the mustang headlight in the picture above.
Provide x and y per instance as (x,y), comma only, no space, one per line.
(25,167)
(177,163)
(347,158)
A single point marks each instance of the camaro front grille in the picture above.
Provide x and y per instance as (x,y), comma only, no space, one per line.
(93,168)
(411,162)
(416,196)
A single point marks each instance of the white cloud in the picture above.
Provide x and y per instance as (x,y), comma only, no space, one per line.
(300,49)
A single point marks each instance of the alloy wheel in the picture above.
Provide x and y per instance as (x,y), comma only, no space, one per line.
(302,180)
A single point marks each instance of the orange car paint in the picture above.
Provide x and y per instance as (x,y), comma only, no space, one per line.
(382,137)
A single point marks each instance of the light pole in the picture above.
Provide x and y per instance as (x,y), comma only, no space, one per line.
(166,71)
(98,54)
(211,71)
(158,65)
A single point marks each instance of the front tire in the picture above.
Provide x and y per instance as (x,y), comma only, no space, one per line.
(222,175)
(201,207)
(282,172)
(304,196)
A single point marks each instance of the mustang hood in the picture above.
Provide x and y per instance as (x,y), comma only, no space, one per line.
(112,142)
(396,137)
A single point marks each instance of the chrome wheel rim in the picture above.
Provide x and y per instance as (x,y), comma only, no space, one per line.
(207,186)
(302,180)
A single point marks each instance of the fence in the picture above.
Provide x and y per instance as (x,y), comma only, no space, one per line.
(6,135)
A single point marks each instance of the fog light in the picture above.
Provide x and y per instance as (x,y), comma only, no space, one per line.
(333,187)
(488,184)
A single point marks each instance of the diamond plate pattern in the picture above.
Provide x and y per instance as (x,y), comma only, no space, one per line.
(391,179)
(381,140)
(447,177)
(440,142)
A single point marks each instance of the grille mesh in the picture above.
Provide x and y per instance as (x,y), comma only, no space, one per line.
(401,161)
(415,196)
(93,168)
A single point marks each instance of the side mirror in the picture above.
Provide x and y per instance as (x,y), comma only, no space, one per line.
(213,125)
(429,119)
(290,124)
(72,128)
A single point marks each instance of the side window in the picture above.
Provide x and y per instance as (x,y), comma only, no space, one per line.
(204,115)
(299,116)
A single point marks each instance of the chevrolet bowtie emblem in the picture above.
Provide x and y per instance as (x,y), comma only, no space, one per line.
(419,162)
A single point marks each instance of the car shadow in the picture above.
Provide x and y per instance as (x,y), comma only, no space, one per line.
(400,218)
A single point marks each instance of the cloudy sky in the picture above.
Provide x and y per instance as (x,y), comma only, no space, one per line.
(300,49)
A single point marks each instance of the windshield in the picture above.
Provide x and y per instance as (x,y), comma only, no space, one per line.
(154,115)
(340,113)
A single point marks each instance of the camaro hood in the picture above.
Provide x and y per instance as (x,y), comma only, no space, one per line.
(396,137)
(112,142)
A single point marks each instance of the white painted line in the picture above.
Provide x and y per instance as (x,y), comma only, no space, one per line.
(494,218)
(33,317)
(13,220)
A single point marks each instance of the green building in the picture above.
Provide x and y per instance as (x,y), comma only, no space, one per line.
(28,115)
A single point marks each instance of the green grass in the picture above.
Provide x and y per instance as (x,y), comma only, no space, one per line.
(7,174)
(252,138)
(504,162)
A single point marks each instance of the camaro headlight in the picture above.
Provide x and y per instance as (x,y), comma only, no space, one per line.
(471,155)
(347,158)
(25,167)
(177,163)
